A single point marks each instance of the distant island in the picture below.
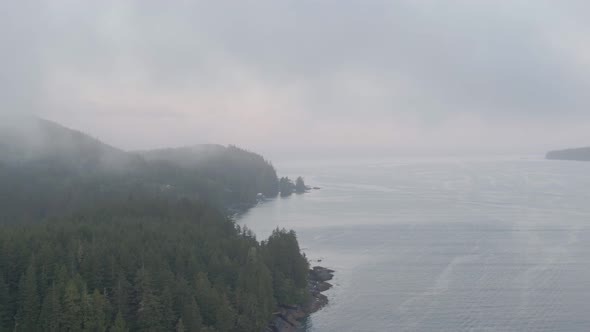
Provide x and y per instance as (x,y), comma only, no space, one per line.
(578,154)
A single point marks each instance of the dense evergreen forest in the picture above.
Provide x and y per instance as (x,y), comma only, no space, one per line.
(96,239)
(145,266)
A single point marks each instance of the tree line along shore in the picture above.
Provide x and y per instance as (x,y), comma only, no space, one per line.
(93,238)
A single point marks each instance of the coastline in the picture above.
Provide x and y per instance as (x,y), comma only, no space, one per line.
(289,318)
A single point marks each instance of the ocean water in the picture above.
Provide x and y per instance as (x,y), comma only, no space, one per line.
(488,244)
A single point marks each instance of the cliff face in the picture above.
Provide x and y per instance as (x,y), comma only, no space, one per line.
(580,154)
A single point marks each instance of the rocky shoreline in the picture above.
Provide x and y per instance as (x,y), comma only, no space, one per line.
(289,318)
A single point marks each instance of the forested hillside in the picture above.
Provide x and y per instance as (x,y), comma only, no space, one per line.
(241,173)
(93,238)
(48,170)
(145,266)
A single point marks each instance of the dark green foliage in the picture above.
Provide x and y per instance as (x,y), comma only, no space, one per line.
(180,326)
(121,294)
(286,186)
(149,312)
(146,265)
(119,325)
(51,311)
(29,300)
(255,295)
(5,312)
(191,313)
(72,307)
(207,297)
(225,315)
(288,266)
(97,313)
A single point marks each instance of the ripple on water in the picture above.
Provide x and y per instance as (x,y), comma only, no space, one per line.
(446,246)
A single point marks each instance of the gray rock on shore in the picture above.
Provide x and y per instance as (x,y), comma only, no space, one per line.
(289,318)
(321,274)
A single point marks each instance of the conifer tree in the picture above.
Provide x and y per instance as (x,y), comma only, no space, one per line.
(50,318)
(191,315)
(225,317)
(149,308)
(5,312)
(180,326)
(232,275)
(95,319)
(30,306)
(206,299)
(121,295)
(167,298)
(255,295)
(119,325)
(72,308)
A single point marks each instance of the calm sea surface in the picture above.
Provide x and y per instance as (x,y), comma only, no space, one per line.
(444,245)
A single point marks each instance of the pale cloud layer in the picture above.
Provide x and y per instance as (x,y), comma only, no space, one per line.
(303,75)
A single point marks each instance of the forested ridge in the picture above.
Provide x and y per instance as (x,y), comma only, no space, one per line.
(241,173)
(47,169)
(111,241)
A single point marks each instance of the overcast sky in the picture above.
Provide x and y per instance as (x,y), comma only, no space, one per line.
(304,76)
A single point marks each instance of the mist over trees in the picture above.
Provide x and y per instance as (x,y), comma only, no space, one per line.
(300,186)
(50,170)
(243,174)
(93,238)
(287,187)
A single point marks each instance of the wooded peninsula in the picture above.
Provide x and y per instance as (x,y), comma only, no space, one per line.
(94,238)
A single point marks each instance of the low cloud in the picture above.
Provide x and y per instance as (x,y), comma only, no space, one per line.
(304,75)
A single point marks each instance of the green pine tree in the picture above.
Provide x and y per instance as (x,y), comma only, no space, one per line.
(169,319)
(255,296)
(180,326)
(121,296)
(72,308)
(51,312)
(149,309)
(30,306)
(191,315)
(119,324)
(225,316)
(5,312)
(207,299)
(95,319)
